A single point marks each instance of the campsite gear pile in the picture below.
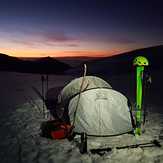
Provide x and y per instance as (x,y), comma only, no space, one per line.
(101,110)
(89,107)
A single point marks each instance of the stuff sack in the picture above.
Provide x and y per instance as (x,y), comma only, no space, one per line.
(55,129)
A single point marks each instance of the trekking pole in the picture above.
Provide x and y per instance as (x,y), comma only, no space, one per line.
(47,113)
(43,93)
(140,62)
(47,82)
(102,151)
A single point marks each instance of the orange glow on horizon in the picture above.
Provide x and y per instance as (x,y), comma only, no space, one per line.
(64,53)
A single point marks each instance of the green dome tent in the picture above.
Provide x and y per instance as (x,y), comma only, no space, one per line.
(97,109)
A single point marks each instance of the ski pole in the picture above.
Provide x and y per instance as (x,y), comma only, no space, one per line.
(43,93)
(47,82)
(140,62)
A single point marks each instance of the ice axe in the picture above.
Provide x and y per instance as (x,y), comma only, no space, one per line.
(140,63)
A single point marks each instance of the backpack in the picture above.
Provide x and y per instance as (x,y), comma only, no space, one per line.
(55,129)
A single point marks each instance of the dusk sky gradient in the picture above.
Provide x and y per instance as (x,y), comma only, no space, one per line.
(38,28)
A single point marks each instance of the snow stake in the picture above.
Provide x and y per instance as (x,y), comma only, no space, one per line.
(140,62)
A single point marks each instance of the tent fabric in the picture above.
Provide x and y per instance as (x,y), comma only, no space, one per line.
(101,110)
(73,88)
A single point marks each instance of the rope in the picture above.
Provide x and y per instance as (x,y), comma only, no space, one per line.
(80,91)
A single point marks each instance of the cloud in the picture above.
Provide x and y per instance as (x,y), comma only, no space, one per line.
(121,40)
(42,39)
(92,53)
(125,41)
(73,45)
(26,43)
(58,37)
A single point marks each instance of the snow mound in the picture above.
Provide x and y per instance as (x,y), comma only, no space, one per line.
(22,143)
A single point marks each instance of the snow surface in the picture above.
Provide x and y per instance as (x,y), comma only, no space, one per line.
(21,116)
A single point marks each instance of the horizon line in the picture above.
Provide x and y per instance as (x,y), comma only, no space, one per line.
(84,56)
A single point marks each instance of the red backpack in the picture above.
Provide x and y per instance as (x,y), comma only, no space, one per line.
(56,129)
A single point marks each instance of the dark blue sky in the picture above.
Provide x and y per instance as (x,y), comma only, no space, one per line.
(78,27)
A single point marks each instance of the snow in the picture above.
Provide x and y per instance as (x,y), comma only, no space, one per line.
(22,113)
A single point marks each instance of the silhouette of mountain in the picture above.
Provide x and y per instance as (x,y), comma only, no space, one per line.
(122,63)
(7,58)
(8,62)
(46,65)
(118,64)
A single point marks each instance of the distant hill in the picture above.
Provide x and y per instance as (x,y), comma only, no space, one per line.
(8,62)
(46,65)
(122,63)
(76,60)
(49,65)
(114,65)
(8,59)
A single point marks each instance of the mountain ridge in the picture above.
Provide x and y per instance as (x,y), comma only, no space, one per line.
(45,65)
(122,63)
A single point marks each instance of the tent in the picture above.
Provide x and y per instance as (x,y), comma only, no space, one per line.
(96,108)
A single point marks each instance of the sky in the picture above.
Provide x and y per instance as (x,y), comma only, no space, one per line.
(57,28)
